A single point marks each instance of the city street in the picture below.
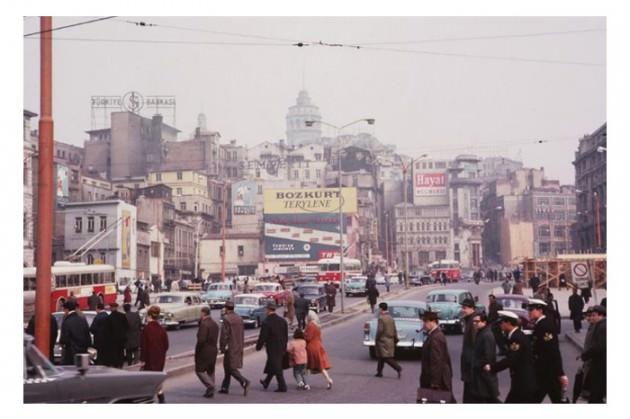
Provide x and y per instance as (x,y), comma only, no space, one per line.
(352,370)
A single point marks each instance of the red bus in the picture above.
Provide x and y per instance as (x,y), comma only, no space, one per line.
(79,278)
(329,269)
(450,267)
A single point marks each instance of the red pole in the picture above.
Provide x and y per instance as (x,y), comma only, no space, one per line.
(386,242)
(45,194)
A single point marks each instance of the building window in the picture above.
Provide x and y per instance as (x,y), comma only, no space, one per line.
(179,191)
(543,201)
(90,224)
(155,249)
(89,195)
(103,258)
(182,206)
(195,207)
(457,253)
(544,248)
(179,176)
(78,225)
(307,174)
(257,172)
(559,231)
(103,223)
(25,226)
(241,251)
(90,259)
(558,201)
(158,177)
(544,231)
(296,174)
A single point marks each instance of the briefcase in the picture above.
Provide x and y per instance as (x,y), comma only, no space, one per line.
(429,395)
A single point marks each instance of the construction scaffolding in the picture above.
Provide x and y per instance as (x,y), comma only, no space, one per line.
(550,269)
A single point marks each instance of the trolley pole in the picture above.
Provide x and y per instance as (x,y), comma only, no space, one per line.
(45,192)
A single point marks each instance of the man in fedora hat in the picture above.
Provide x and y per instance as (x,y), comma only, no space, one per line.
(274,335)
(518,359)
(594,355)
(115,337)
(437,373)
(231,346)
(550,377)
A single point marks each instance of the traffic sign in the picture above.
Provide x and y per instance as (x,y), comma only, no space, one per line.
(581,274)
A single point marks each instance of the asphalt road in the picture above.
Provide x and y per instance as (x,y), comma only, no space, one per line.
(352,370)
(183,340)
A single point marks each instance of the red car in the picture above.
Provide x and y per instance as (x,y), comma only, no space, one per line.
(272,290)
(517,304)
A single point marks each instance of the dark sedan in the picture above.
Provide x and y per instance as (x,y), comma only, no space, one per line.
(316,293)
(47,383)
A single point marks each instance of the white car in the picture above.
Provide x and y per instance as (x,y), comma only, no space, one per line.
(179,308)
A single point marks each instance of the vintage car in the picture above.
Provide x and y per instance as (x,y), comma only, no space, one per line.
(178,308)
(58,350)
(419,278)
(407,316)
(251,308)
(272,290)
(517,304)
(316,293)
(47,383)
(447,302)
(218,293)
(355,286)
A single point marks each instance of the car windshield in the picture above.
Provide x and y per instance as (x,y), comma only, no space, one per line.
(167,299)
(265,287)
(357,280)
(248,301)
(405,312)
(36,364)
(441,298)
(308,290)
(511,303)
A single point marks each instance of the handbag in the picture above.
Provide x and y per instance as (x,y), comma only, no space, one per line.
(429,395)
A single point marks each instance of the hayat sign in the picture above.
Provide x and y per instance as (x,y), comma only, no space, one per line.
(430,184)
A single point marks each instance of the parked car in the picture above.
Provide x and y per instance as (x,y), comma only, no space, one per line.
(58,349)
(517,304)
(380,279)
(251,308)
(447,302)
(306,279)
(178,308)
(467,274)
(47,383)
(419,278)
(356,286)
(407,316)
(316,293)
(272,290)
(218,293)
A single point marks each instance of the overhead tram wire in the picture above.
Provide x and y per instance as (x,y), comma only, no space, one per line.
(86,22)
(484,37)
(166,42)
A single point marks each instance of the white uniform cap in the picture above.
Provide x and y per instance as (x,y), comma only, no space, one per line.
(508,314)
(535,301)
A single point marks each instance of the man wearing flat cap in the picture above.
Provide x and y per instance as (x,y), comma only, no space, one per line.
(231,346)
(437,372)
(550,377)
(518,359)
(594,355)
(468,348)
(274,335)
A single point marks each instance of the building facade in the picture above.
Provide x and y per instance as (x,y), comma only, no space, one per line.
(243,253)
(590,188)
(28,220)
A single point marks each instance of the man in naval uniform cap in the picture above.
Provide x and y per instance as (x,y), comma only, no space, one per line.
(550,377)
(518,359)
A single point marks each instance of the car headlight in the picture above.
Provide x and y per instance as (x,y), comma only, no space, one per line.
(169,315)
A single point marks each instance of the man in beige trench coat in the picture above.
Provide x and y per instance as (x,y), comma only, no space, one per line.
(386,339)
(231,345)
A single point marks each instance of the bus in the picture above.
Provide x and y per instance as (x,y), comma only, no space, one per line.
(79,278)
(450,267)
(329,269)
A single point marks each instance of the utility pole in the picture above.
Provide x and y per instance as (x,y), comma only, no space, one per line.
(224,218)
(598,226)
(406,250)
(386,242)
(45,193)
(341,267)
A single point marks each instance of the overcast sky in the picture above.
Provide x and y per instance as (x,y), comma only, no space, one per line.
(439,101)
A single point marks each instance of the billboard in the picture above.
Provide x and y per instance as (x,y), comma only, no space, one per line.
(62,183)
(126,239)
(244,198)
(303,224)
(429,184)
(310,201)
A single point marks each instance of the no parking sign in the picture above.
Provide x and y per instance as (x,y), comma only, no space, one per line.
(581,274)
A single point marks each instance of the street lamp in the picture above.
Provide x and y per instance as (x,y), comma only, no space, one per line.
(338,129)
(405,167)
(601,149)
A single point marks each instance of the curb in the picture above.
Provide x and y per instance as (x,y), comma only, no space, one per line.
(574,341)
(250,344)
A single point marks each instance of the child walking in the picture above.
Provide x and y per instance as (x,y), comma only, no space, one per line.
(297,358)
